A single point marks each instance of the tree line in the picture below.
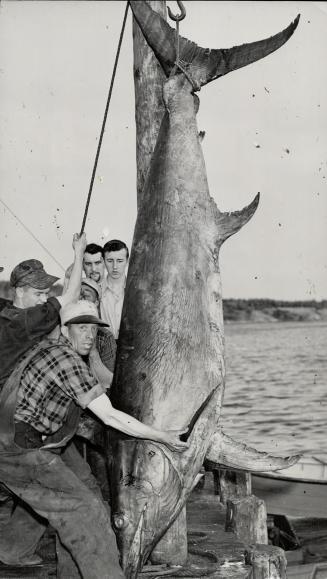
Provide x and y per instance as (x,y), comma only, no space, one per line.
(232,306)
(235,309)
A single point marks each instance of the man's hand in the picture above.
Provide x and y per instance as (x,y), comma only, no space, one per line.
(100,371)
(73,276)
(171,439)
(79,243)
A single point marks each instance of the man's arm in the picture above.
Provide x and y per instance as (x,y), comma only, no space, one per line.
(72,292)
(103,408)
(100,371)
(68,273)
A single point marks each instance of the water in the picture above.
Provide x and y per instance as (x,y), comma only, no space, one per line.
(276,386)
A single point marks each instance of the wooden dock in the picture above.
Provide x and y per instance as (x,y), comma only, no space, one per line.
(213,552)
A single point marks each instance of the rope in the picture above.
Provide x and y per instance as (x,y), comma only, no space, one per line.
(104,119)
(32,234)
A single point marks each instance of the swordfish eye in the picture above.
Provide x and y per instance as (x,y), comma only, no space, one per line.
(120,520)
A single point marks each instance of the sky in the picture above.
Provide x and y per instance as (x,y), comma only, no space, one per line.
(265,125)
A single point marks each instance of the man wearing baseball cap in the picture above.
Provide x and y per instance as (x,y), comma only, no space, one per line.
(23,323)
(46,391)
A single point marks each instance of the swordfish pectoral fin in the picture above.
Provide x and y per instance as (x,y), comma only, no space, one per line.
(184,437)
(202,64)
(224,451)
(230,223)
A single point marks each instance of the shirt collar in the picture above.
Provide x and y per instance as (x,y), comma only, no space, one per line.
(106,286)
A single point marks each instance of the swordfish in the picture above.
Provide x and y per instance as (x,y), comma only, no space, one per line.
(170,369)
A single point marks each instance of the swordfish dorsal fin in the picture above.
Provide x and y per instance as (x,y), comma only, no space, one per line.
(230,223)
(202,64)
(224,451)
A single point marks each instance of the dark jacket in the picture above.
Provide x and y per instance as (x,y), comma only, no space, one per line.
(21,328)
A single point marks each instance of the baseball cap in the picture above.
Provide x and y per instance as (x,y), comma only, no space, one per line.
(80,312)
(31,272)
(93,284)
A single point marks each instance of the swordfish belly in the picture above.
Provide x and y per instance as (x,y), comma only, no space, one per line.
(172,328)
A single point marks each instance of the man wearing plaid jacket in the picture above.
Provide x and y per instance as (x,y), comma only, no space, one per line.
(39,412)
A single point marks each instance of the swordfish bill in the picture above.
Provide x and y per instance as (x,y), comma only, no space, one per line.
(170,369)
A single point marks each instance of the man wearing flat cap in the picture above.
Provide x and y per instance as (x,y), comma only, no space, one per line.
(40,404)
(32,314)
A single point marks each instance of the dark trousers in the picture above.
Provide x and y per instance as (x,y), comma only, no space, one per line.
(64,492)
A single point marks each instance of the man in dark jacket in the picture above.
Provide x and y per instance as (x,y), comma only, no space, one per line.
(23,323)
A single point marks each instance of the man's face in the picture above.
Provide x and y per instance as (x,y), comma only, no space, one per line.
(82,337)
(116,262)
(89,294)
(30,296)
(93,266)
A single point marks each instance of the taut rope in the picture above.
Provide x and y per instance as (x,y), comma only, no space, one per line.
(104,120)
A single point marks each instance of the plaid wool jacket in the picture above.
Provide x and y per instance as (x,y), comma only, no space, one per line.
(54,377)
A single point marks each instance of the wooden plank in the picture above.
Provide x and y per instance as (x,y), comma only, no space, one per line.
(308,571)
(231,572)
(28,572)
(172,547)
(267,561)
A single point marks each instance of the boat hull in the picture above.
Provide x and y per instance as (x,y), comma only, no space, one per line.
(300,491)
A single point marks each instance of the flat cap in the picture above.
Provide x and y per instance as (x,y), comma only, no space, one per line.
(31,272)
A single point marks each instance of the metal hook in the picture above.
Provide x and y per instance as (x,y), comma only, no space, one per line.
(177,17)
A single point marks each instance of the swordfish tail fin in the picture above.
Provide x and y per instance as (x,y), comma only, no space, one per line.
(201,64)
(223,451)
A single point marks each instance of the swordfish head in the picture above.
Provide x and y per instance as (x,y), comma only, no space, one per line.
(149,486)
(170,359)
(147,490)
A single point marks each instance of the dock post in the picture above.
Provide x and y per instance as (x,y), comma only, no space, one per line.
(247,518)
(172,547)
(246,515)
(267,562)
(232,484)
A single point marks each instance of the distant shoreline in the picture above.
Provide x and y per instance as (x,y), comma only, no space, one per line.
(274,321)
(261,310)
(241,310)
